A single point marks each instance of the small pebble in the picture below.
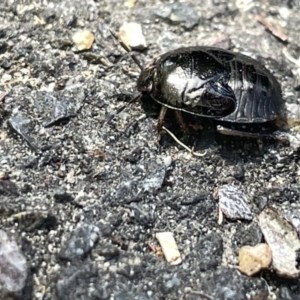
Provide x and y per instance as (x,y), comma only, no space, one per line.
(131,34)
(284,12)
(6,77)
(130,3)
(83,39)
(253,259)
(13,266)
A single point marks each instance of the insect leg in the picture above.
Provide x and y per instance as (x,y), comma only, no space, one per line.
(181,122)
(277,135)
(160,121)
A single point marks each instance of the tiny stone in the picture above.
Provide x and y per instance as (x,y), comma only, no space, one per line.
(6,77)
(83,39)
(131,34)
(130,3)
(167,161)
(179,13)
(5,63)
(284,12)
(13,266)
(254,259)
(25,71)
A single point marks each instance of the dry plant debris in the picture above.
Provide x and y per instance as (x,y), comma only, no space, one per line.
(273,26)
(233,203)
(169,247)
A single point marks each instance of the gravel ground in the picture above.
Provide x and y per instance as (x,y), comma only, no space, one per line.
(84,199)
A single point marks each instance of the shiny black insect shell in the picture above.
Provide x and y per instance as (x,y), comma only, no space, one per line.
(213,82)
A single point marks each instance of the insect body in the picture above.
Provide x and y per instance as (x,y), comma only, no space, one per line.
(215,83)
(211,82)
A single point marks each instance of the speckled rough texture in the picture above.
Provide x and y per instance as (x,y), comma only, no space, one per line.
(64,169)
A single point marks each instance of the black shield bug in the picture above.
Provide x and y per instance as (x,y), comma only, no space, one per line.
(213,83)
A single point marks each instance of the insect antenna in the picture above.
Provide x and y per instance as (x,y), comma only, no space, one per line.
(137,62)
(134,99)
(127,49)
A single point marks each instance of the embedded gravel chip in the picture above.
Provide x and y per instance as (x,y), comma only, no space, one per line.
(284,242)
